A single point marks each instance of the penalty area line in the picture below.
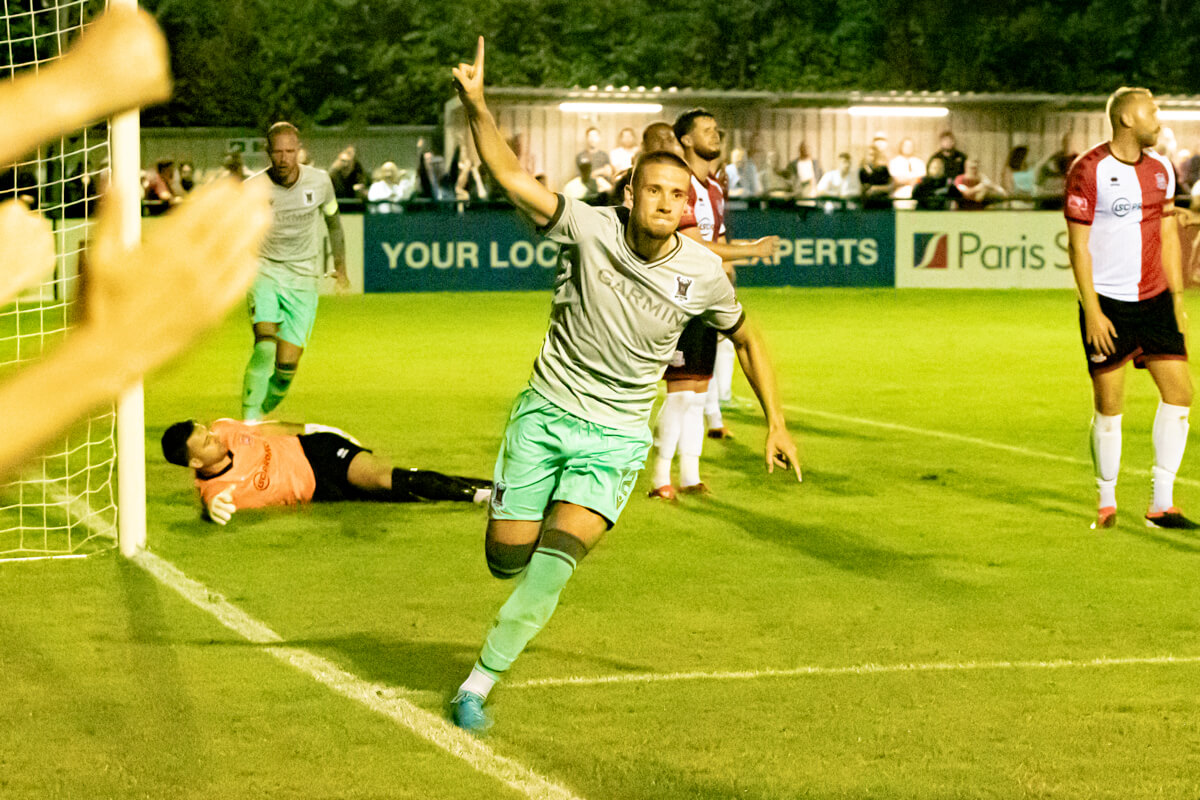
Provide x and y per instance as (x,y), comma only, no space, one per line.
(858,669)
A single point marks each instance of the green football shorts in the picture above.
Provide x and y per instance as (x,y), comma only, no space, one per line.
(548,455)
(293,310)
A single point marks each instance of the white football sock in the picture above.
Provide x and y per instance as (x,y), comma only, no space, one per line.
(723,369)
(478,682)
(712,406)
(1106,456)
(1170,438)
(691,441)
(666,434)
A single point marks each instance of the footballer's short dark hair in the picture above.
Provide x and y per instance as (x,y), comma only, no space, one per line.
(174,442)
(685,121)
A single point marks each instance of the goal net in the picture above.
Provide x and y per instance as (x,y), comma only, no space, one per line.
(63,504)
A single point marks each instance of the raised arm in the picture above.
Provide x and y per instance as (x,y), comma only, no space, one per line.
(752,353)
(535,200)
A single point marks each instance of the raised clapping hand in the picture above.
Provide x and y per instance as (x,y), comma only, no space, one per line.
(141,305)
(155,299)
(119,63)
(26,249)
(468,80)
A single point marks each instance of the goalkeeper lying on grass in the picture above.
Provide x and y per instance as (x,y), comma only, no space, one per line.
(245,465)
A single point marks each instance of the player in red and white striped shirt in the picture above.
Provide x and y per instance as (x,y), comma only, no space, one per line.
(679,429)
(1124,250)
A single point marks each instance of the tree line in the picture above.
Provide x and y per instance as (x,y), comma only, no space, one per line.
(328,62)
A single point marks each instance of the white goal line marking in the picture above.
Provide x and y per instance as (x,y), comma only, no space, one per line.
(859,669)
(375,696)
(957,437)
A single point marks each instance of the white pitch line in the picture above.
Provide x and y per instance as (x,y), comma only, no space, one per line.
(859,669)
(957,437)
(385,700)
(377,697)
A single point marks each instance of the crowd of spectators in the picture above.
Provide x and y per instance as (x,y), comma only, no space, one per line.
(948,178)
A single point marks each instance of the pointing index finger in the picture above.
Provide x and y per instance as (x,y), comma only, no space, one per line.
(479,56)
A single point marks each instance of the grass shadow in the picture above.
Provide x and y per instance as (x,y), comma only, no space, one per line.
(1178,541)
(841,549)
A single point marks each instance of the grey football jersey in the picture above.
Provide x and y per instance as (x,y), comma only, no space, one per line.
(615,319)
(293,252)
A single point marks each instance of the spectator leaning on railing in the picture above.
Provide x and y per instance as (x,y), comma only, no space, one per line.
(391,190)
(348,175)
(1019,178)
(875,178)
(975,189)
(842,182)
(932,192)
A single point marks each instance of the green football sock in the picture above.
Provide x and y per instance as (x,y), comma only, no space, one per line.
(277,387)
(258,374)
(532,603)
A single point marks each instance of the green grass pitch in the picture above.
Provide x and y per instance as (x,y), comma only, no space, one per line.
(943,520)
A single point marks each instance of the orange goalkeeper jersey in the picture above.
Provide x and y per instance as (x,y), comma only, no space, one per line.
(266,470)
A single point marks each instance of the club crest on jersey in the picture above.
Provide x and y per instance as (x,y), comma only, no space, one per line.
(310,197)
(1160,181)
(682,285)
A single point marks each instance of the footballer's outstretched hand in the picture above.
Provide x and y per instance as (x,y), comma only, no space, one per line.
(220,508)
(468,81)
(781,452)
(766,248)
(26,249)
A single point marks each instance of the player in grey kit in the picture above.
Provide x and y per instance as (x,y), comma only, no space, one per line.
(283,300)
(579,432)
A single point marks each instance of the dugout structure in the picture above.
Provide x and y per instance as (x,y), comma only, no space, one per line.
(79,497)
(553,121)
